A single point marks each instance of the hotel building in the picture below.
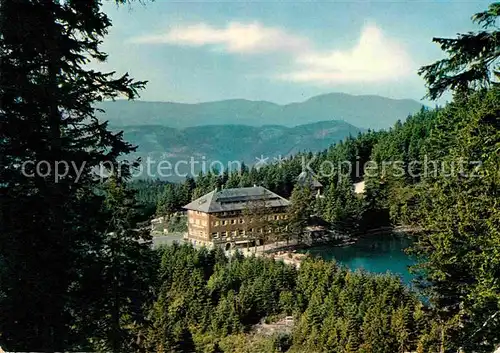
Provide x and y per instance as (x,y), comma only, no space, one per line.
(236,217)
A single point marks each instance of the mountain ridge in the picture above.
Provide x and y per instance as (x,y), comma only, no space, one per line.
(364,111)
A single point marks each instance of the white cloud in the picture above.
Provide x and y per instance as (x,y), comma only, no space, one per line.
(236,37)
(374,58)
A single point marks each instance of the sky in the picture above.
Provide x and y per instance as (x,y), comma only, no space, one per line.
(280,51)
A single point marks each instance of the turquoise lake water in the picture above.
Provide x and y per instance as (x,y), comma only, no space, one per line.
(378,254)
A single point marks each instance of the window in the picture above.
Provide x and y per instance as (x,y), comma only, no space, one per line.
(276,217)
(242,221)
(215,235)
(233,233)
(233,221)
(251,230)
(216,223)
(223,233)
(224,222)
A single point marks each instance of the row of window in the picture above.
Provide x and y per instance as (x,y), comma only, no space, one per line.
(225,213)
(228,213)
(245,233)
(242,220)
(200,222)
(235,213)
(200,233)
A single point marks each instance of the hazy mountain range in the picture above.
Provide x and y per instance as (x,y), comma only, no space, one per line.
(227,143)
(243,130)
(373,112)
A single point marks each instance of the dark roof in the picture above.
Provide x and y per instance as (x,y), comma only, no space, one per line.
(235,199)
(309,179)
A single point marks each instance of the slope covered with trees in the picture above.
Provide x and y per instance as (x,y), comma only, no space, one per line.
(209,303)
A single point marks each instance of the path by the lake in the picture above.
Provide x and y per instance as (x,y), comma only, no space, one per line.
(375,253)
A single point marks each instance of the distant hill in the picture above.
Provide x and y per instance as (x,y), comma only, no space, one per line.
(373,112)
(226,143)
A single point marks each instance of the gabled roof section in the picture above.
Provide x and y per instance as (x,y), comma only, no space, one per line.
(236,199)
(201,204)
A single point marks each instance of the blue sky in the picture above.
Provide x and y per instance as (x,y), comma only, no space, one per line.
(280,51)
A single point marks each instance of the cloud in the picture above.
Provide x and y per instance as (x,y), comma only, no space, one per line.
(236,37)
(374,58)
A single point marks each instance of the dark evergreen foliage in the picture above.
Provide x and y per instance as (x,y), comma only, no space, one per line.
(472,58)
(209,300)
(62,270)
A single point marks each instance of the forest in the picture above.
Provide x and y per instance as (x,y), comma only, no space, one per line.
(77,273)
(209,303)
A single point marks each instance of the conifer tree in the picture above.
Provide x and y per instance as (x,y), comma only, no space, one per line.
(52,220)
(300,211)
(472,58)
(169,201)
(123,275)
(460,213)
(255,217)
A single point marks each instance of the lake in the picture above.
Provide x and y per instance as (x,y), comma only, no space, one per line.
(375,253)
